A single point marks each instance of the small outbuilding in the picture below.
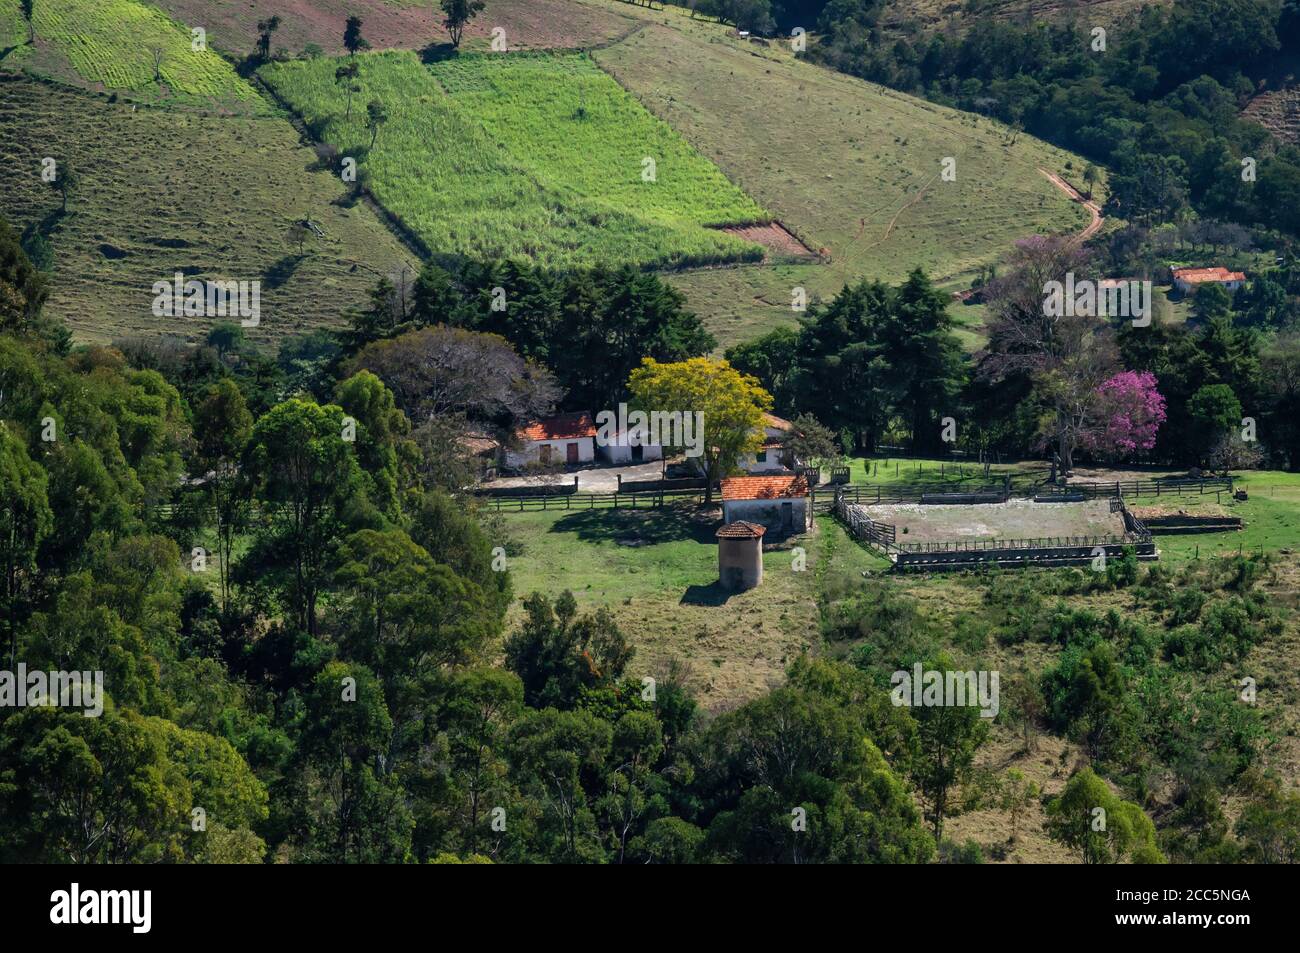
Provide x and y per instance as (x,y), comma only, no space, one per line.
(740,555)
(778,502)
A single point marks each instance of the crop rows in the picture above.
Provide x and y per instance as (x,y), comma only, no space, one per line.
(550,170)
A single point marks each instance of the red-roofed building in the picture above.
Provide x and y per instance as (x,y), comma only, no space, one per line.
(740,555)
(567,439)
(780,503)
(1187,280)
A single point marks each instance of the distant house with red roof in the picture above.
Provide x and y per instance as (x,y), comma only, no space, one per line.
(1187,280)
(780,503)
(565,439)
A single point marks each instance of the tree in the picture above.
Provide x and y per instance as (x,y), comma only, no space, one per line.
(458,13)
(1215,410)
(23,288)
(382,443)
(28,8)
(353,41)
(25,520)
(440,370)
(67,181)
(346,76)
(729,404)
(307,476)
(1066,353)
(226,337)
(876,353)
(264,30)
(818,744)
(376,116)
(358,812)
(1090,819)
(298,234)
(772,359)
(556,652)
(1017,796)
(944,749)
(808,440)
(1270,828)
(1128,416)
(223,426)
(1091,175)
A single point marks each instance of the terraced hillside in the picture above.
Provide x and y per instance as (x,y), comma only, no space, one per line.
(542,157)
(164,190)
(1279,112)
(123,45)
(853,169)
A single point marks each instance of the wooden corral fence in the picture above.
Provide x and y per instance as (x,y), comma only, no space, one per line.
(585,501)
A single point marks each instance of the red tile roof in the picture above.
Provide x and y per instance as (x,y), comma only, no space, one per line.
(741,530)
(764,487)
(560,427)
(1197,276)
(775,422)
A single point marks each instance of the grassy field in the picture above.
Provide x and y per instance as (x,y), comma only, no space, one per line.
(657,572)
(851,168)
(402,24)
(165,190)
(131,46)
(539,157)
(13,28)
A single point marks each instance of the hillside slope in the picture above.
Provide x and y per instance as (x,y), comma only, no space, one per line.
(166,190)
(852,168)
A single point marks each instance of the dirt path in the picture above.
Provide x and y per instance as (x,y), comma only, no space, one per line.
(1093,208)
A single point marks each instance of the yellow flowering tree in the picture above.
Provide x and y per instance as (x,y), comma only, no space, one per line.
(730,403)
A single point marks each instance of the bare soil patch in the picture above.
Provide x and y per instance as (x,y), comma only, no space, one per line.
(779,241)
(1015,519)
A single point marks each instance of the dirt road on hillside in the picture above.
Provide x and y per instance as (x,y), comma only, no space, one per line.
(1093,208)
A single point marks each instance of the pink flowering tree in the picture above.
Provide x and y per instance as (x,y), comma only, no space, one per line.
(1129,412)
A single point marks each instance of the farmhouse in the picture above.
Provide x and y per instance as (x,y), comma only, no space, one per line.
(771,458)
(740,555)
(566,439)
(1187,280)
(629,446)
(779,503)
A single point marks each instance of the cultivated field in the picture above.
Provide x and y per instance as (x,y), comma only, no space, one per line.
(401,24)
(1015,519)
(851,168)
(539,157)
(126,45)
(166,190)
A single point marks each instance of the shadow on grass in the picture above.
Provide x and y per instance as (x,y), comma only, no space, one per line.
(711,595)
(436,52)
(645,527)
(282,270)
